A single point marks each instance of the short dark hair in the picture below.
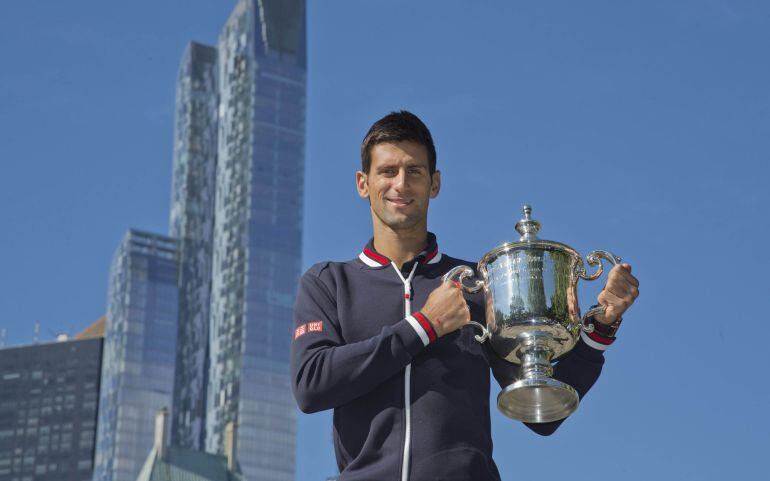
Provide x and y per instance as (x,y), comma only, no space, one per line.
(398,127)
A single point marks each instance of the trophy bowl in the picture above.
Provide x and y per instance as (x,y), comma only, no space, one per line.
(533,316)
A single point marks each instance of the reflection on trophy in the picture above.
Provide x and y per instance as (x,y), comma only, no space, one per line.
(533,317)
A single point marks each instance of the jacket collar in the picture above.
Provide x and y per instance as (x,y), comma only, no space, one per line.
(372,258)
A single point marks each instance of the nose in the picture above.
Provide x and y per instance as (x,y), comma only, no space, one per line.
(399,181)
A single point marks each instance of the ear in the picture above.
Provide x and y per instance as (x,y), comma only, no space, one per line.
(362,184)
(435,184)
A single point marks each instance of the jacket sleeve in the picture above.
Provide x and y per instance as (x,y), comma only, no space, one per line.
(580,368)
(326,372)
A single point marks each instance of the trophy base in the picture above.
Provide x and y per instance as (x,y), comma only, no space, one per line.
(538,400)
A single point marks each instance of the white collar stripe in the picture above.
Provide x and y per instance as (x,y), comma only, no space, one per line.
(373,263)
(369,262)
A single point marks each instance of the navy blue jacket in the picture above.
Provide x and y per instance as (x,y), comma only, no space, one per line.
(407,406)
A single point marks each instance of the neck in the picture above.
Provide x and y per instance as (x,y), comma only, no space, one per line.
(400,246)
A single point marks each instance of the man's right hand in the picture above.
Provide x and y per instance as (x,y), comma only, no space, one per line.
(446,309)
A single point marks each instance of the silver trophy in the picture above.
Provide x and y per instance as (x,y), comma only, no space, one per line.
(532,316)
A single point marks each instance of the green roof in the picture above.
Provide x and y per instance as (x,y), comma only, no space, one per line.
(187,465)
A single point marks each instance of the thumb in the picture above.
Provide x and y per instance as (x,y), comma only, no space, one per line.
(626,266)
(610,313)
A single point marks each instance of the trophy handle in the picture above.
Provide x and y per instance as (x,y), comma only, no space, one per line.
(594,259)
(459,274)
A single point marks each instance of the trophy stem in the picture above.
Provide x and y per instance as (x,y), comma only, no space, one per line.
(536,363)
(536,397)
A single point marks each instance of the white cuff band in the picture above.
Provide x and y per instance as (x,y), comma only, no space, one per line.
(591,343)
(419,330)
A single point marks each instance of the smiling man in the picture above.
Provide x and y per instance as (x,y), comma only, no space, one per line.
(379,338)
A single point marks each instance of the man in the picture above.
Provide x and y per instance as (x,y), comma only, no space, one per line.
(379,339)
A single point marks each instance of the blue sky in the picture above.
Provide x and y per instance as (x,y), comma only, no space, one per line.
(638,127)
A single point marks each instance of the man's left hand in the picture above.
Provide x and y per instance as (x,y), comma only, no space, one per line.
(621,291)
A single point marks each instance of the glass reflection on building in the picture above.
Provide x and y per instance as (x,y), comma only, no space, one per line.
(257,233)
(139,350)
(192,224)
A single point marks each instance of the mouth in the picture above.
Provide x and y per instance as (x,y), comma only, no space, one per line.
(399,202)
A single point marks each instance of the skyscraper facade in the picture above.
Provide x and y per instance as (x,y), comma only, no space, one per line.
(48,405)
(139,353)
(192,224)
(257,233)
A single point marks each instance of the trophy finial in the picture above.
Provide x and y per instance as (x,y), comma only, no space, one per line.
(527,227)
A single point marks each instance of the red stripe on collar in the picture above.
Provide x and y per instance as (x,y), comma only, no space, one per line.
(430,256)
(382,260)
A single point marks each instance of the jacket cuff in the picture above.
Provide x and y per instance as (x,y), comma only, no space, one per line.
(600,339)
(590,349)
(422,327)
(597,341)
(408,337)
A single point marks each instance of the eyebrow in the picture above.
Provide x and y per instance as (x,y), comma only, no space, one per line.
(410,165)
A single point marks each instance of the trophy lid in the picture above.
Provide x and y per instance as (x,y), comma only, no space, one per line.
(527,227)
(529,241)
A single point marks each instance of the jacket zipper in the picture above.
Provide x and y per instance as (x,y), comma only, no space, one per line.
(407,375)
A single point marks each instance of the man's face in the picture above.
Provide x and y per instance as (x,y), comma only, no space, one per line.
(399,185)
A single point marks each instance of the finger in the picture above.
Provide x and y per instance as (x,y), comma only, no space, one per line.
(607,298)
(611,313)
(618,303)
(620,272)
(459,296)
(619,289)
(630,278)
(622,288)
(626,292)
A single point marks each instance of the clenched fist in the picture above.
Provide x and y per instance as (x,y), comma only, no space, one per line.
(446,309)
(618,294)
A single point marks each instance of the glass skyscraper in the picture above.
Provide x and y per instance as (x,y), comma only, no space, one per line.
(192,224)
(257,233)
(48,404)
(139,351)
